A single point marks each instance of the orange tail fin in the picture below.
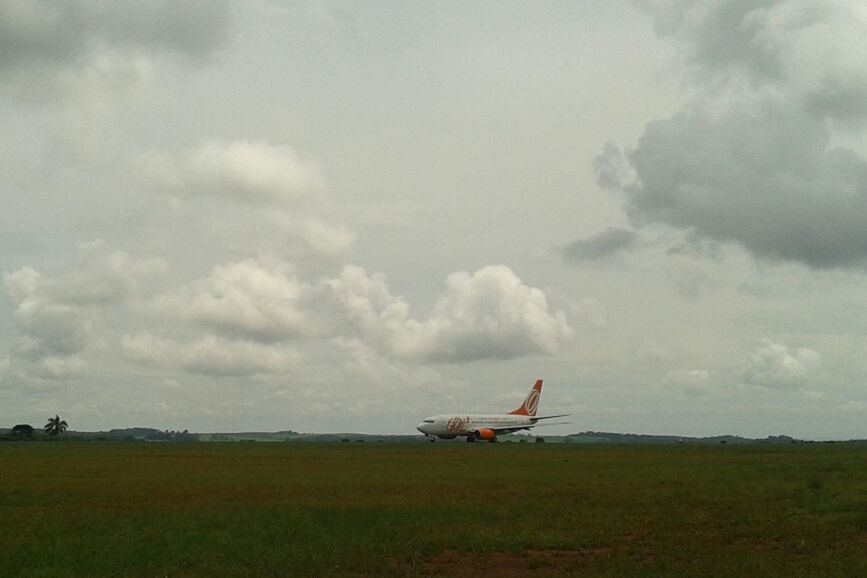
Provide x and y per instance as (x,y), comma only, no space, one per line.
(532,402)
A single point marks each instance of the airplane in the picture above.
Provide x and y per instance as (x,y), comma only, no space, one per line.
(486,426)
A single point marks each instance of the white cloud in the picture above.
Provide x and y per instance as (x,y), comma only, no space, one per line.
(490,314)
(254,299)
(366,303)
(275,196)
(244,197)
(493,313)
(22,284)
(254,173)
(774,365)
(689,381)
(327,240)
(99,276)
(104,276)
(255,309)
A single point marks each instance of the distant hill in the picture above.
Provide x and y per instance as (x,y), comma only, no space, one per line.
(129,435)
(592,437)
(289,436)
(147,434)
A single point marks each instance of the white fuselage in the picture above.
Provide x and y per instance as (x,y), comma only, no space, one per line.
(453,425)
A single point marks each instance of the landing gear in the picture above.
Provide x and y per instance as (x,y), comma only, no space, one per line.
(432,439)
(471,438)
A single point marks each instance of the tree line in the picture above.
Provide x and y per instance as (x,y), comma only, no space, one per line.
(54,427)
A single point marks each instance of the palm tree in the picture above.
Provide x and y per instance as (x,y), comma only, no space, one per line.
(55,426)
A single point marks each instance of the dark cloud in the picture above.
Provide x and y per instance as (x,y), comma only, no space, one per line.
(721,36)
(752,159)
(41,31)
(810,53)
(45,43)
(773,185)
(841,97)
(599,246)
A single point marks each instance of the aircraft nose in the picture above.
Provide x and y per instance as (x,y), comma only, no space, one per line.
(421,427)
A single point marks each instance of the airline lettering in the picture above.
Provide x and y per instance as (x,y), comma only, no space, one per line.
(457,424)
(460,424)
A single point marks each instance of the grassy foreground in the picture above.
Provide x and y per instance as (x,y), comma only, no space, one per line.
(431,509)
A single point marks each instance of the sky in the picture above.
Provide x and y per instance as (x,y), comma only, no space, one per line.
(329,216)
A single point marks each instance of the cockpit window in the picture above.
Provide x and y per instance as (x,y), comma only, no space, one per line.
(428,421)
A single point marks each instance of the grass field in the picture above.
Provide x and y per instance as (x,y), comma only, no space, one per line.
(431,509)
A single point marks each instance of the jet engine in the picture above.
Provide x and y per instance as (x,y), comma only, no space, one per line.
(485,434)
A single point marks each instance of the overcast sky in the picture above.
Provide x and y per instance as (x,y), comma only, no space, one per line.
(343,216)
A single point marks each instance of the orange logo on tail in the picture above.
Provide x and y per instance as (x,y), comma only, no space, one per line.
(532,402)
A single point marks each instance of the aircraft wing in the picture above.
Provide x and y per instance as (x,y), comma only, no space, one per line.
(551,416)
(512,429)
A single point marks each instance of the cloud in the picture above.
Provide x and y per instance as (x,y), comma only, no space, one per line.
(723,36)
(689,381)
(244,172)
(43,41)
(50,326)
(56,316)
(103,276)
(265,196)
(45,30)
(263,314)
(774,365)
(753,159)
(600,246)
(262,196)
(249,172)
(490,314)
(327,240)
(260,300)
(209,355)
(366,304)
(814,51)
(258,316)
(767,179)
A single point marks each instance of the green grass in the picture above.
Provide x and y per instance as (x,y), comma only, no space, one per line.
(362,509)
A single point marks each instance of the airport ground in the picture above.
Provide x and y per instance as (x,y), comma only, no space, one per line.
(283,509)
